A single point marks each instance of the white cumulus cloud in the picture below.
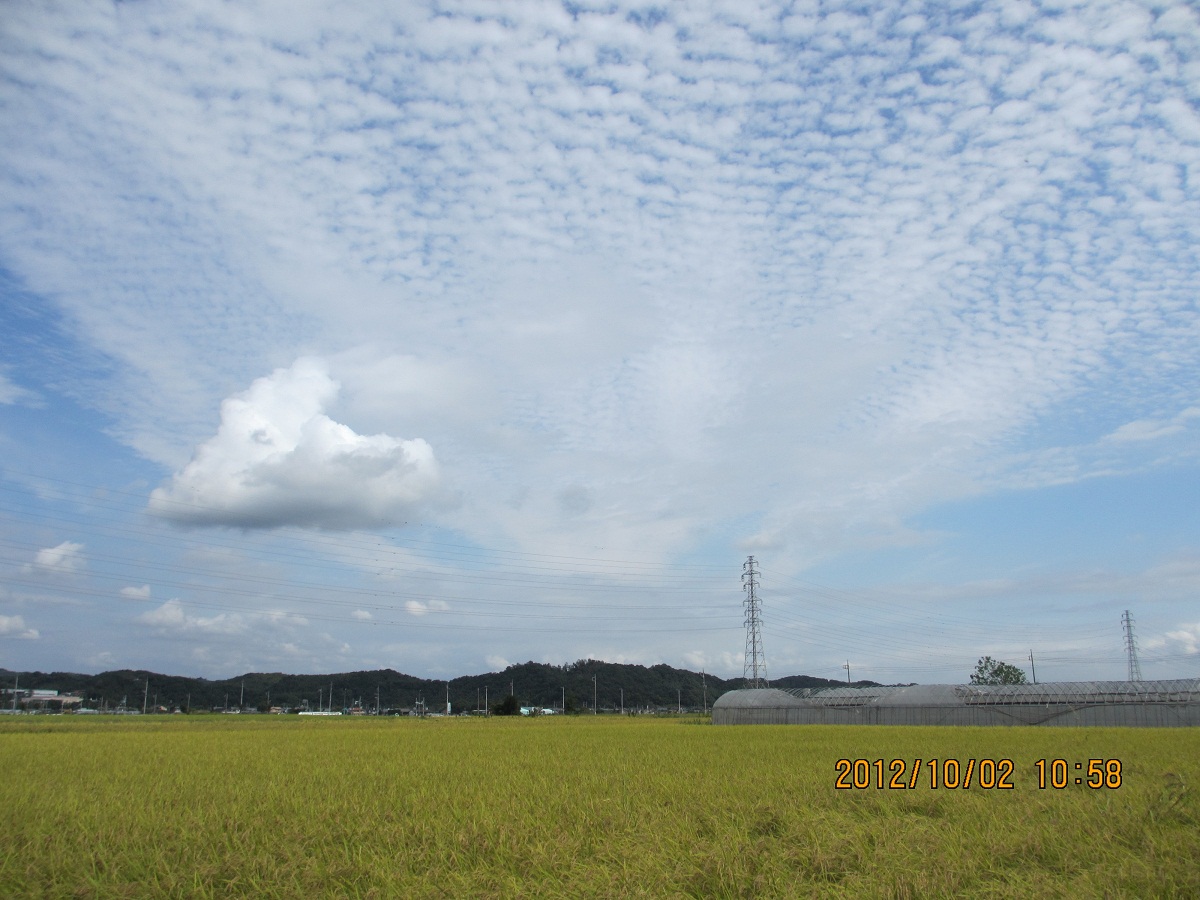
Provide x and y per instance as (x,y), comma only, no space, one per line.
(64,558)
(14,626)
(418,608)
(171,617)
(278,460)
(279,617)
(1187,637)
(136,593)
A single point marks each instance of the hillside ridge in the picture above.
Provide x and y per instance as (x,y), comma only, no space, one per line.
(616,685)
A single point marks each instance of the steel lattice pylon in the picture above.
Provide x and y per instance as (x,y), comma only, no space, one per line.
(1135,668)
(755,672)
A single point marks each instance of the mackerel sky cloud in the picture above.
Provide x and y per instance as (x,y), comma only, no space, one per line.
(507,331)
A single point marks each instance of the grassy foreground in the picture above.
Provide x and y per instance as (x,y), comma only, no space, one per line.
(576,807)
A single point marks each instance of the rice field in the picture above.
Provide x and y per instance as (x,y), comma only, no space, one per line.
(224,806)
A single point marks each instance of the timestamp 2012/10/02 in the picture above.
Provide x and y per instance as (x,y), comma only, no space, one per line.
(988,774)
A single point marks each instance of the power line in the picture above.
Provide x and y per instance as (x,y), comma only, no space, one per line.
(401,580)
(670,568)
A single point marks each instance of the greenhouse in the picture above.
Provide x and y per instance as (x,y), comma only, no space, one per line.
(1147,704)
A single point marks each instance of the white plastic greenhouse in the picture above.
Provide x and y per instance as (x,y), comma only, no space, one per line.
(1152,704)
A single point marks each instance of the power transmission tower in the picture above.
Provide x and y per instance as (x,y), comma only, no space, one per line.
(755,671)
(1135,669)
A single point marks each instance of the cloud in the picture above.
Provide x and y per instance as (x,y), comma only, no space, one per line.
(167,615)
(838,233)
(12,393)
(656,285)
(1187,637)
(281,617)
(1153,429)
(14,626)
(419,608)
(278,460)
(63,559)
(171,618)
(136,593)
(574,500)
(362,615)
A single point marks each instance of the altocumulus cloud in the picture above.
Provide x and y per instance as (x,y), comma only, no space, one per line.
(278,460)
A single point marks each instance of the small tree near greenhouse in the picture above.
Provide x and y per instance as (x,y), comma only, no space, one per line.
(509,706)
(993,671)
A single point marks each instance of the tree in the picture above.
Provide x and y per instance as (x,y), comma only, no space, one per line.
(993,671)
(507,707)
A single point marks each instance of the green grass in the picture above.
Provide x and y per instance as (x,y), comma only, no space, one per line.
(575,807)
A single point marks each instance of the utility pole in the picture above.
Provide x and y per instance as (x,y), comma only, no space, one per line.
(242,697)
(1135,669)
(755,671)
(1032,666)
(704,685)
(847,668)
(622,701)
(487,710)
(145,696)
(564,699)
(595,708)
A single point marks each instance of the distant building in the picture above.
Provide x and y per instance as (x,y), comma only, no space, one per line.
(44,700)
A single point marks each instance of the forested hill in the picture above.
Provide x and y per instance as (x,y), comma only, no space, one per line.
(534,684)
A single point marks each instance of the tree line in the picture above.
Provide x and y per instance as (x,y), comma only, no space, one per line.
(532,684)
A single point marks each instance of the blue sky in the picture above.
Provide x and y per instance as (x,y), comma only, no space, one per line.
(441,336)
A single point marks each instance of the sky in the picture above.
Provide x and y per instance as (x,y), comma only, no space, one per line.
(443,336)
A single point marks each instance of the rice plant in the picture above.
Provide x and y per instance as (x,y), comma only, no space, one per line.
(213,806)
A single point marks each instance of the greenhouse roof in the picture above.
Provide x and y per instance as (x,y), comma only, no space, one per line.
(1053,693)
